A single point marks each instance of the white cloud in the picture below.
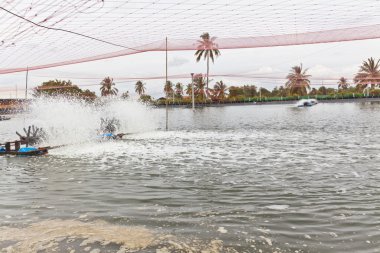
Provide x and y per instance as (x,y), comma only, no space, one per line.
(264,70)
(350,71)
(321,71)
(177,61)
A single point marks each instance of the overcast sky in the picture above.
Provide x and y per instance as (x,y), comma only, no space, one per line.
(84,29)
(324,61)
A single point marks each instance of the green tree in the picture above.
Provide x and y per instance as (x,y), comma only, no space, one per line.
(145,98)
(208,49)
(62,88)
(322,90)
(369,74)
(264,92)
(330,91)
(283,91)
(235,91)
(279,91)
(343,83)
(313,92)
(250,90)
(179,90)
(275,92)
(189,88)
(199,87)
(168,88)
(125,95)
(298,81)
(108,87)
(140,88)
(220,90)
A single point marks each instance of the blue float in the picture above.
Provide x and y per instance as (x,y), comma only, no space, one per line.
(27,149)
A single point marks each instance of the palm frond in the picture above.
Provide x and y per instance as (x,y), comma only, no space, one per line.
(216,52)
(200,55)
(206,53)
(211,55)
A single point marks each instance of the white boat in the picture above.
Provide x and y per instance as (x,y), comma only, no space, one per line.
(306,102)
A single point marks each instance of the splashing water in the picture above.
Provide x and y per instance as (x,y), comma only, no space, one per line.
(68,121)
(225,179)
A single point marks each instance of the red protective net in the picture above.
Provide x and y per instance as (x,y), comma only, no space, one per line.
(49,33)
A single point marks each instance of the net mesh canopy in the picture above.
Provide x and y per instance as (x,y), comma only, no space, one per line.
(48,33)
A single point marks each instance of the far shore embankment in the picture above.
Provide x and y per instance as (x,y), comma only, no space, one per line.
(12,108)
(287,102)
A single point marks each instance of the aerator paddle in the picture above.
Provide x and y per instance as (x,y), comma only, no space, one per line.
(33,135)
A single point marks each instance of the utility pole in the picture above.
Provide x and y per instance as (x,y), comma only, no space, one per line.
(166,82)
(192,91)
(26,83)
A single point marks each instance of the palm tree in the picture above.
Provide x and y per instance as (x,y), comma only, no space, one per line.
(283,91)
(322,90)
(279,91)
(199,86)
(298,81)
(220,90)
(369,74)
(168,88)
(107,87)
(313,92)
(125,95)
(140,88)
(208,49)
(189,88)
(342,83)
(179,90)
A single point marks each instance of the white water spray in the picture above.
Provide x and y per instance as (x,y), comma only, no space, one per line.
(69,121)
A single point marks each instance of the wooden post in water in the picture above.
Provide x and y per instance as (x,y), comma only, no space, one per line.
(17,145)
(7,146)
(166,82)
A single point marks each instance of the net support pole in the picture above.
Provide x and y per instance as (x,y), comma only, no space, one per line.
(192,91)
(26,83)
(166,82)
(260,93)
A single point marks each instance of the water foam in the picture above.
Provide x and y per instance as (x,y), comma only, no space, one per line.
(96,236)
(48,235)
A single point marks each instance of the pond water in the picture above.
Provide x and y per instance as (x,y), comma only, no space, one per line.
(268,178)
